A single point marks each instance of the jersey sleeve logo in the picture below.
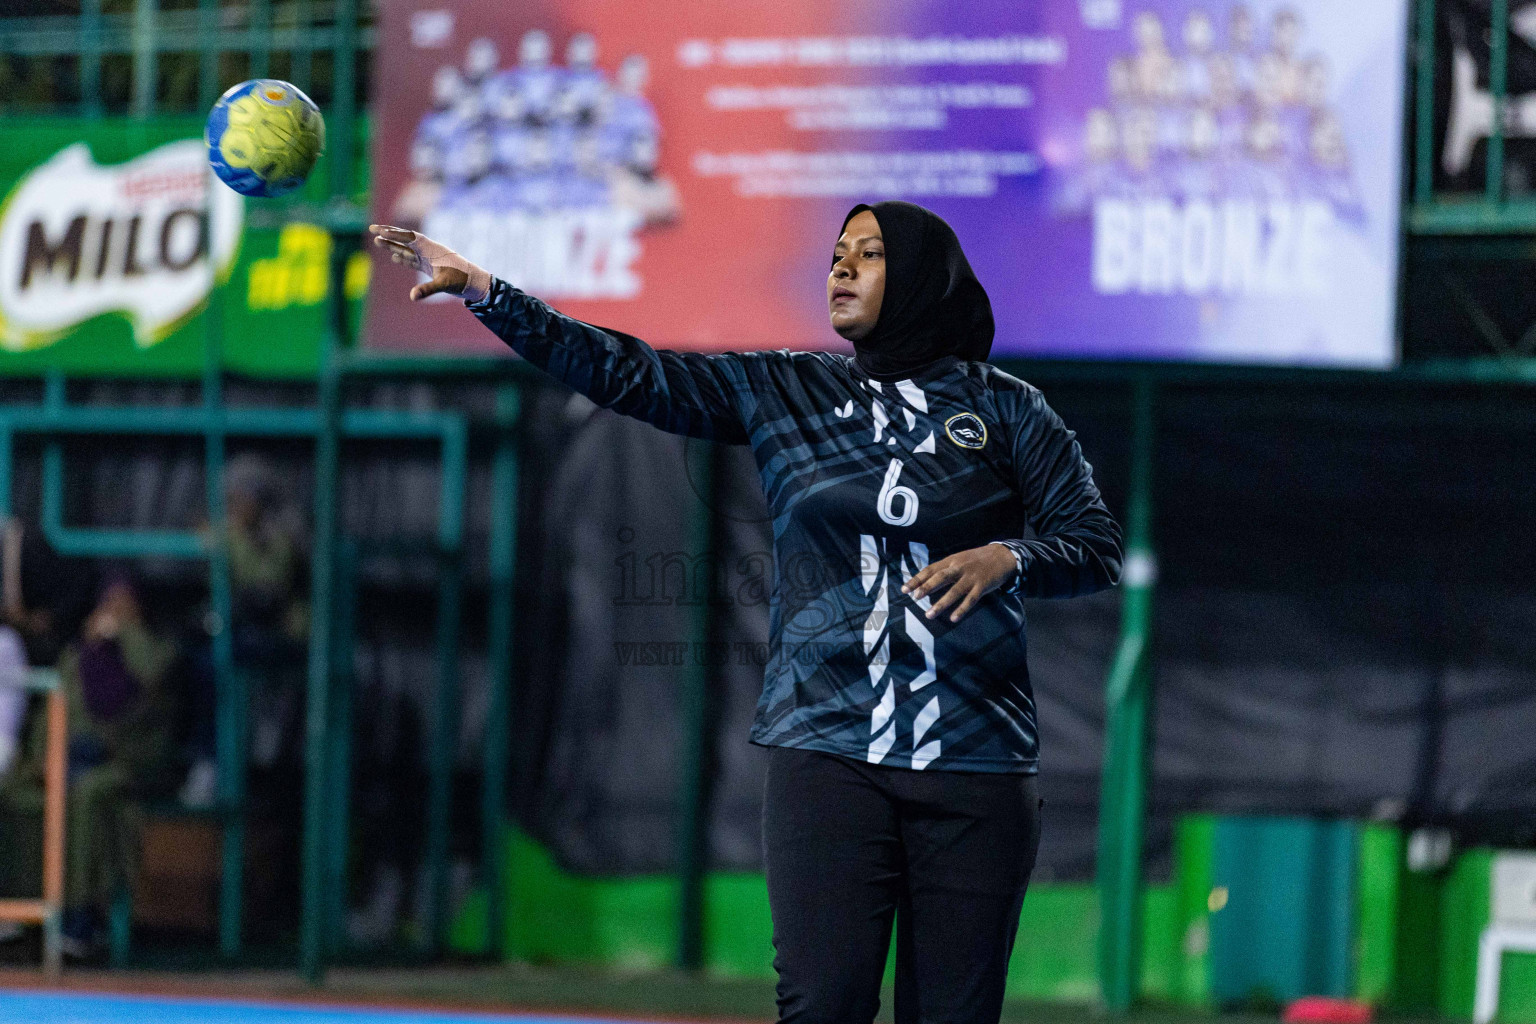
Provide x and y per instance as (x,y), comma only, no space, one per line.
(966,430)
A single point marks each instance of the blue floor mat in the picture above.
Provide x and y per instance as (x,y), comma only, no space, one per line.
(74,1008)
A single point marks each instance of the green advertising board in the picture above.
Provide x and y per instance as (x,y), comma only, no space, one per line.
(105,231)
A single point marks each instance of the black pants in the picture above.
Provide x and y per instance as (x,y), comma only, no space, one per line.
(849,846)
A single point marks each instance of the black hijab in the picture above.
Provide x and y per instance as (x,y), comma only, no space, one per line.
(933,307)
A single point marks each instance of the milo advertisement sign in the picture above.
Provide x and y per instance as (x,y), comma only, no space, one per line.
(80,240)
(112,237)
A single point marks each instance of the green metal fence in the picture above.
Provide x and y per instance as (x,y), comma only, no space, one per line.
(1494,211)
(266,37)
(157,56)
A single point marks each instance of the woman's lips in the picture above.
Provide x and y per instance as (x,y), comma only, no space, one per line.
(842,293)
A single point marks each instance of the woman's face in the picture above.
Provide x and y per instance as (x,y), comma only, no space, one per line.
(857,282)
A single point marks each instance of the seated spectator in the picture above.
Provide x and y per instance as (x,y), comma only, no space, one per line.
(13,719)
(121,751)
(264,562)
(42,602)
(13,696)
(271,623)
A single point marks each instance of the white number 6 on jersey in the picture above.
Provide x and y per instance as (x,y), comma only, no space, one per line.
(886,503)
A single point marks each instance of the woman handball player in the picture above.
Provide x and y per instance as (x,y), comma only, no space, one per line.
(932,493)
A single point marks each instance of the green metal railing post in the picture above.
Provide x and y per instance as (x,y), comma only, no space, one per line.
(228,685)
(339,753)
(694,789)
(261,37)
(7,450)
(55,395)
(498,725)
(302,56)
(209,36)
(445,723)
(343,120)
(317,719)
(1498,80)
(1128,698)
(146,56)
(1424,107)
(327,466)
(90,57)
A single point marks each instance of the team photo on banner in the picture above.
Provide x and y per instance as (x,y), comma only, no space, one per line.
(1156,180)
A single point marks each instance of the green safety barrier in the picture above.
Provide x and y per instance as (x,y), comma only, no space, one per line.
(55,419)
(280,310)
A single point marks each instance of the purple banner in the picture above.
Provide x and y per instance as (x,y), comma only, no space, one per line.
(1166,179)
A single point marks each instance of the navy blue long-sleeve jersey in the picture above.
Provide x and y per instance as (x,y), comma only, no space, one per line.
(868,482)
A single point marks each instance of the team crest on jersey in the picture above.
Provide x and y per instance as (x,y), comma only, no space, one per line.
(966,430)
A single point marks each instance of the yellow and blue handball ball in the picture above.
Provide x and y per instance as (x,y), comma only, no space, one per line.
(263,137)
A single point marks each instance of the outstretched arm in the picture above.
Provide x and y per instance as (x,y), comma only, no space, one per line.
(704,396)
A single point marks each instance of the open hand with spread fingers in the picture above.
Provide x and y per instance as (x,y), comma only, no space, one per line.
(450,272)
(969,576)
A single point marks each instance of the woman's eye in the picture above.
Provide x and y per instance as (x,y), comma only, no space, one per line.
(873,254)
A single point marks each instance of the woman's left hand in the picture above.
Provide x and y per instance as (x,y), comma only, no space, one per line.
(969,575)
